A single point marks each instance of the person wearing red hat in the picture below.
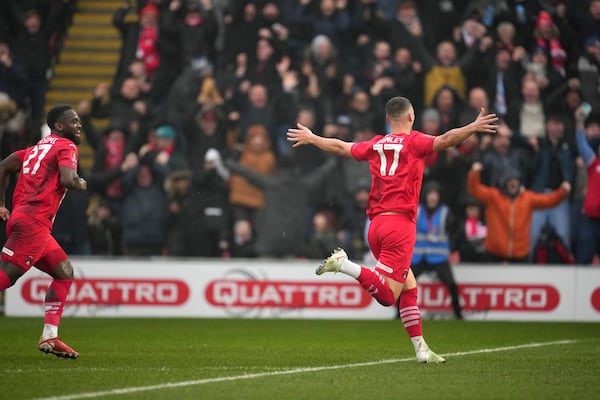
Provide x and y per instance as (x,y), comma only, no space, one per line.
(547,36)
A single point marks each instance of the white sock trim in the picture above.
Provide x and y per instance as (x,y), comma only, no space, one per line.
(351,268)
(49,331)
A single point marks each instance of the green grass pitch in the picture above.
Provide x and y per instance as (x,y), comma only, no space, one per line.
(299,359)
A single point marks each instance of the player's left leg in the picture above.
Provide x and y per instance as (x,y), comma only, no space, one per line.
(57,265)
(411,319)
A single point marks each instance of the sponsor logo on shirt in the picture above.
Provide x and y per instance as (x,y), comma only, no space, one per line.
(8,251)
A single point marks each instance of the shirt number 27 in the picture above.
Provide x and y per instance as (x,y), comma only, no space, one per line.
(37,153)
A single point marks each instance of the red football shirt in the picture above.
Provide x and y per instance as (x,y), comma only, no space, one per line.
(38,192)
(396,162)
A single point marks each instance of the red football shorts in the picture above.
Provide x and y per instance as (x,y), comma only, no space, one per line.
(392,239)
(30,244)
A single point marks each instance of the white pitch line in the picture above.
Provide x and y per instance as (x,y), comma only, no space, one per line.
(129,390)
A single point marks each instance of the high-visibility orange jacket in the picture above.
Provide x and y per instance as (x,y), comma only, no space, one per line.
(509,220)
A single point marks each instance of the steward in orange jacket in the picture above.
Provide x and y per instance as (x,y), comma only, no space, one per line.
(508,213)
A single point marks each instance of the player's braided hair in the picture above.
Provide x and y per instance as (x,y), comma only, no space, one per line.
(55,114)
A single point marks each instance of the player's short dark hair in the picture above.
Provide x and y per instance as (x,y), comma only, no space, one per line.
(397,106)
(55,114)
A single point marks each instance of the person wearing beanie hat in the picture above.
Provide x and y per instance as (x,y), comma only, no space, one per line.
(508,213)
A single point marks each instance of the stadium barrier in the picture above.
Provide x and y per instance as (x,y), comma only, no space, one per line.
(163,287)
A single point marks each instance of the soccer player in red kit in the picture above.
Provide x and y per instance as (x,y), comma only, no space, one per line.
(47,170)
(396,162)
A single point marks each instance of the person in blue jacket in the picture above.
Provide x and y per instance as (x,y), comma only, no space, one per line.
(432,248)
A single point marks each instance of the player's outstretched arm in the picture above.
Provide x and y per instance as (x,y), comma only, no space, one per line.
(484,123)
(302,135)
(69,178)
(9,166)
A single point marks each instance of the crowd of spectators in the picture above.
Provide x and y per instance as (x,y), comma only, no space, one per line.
(195,161)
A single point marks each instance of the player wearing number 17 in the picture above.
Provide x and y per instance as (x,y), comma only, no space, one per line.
(47,170)
(396,161)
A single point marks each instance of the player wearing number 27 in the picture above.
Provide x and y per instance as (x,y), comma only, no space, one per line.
(396,162)
(47,170)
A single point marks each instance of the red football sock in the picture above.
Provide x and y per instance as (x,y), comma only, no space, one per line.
(4,281)
(410,314)
(376,286)
(54,306)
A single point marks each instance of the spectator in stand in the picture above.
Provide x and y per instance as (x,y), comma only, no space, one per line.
(178,189)
(555,164)
(506,38)
(363,113)
(323,237)
(503,155)
(331,19)
(588,68)
(183,96)
(111,162)
(432,248)
(144,211)
(205,131)
(508,211)
(256,107)
(263,66)
(446,69)
(243,244)
(70,228)
(477,99)
(139,38)
(241,31)
(286,199)
(126,108)
(245,198)
(547,37)
(13,77)
(587,18)
(588,238)
(408,76)
(406,25)
(322,75)
(469,236)
(31,48)
(449,105)
(208,212)
(193,24)
(473,33)
(104,230)
(502,81)
(526,116)
(538,69)
(161,149)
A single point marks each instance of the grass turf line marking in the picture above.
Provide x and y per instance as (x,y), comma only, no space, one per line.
(129,390)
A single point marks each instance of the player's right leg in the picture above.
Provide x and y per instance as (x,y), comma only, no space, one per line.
(411,319)
(370,280)
(56,264)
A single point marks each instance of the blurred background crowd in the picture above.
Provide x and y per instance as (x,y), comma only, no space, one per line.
(194,161)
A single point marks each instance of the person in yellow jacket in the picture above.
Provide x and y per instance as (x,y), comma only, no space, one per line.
(508,212)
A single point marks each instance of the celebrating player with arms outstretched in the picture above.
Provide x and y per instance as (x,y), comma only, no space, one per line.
(47,170)
(396,162)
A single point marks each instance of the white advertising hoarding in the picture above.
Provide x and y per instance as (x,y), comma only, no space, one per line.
(289,289)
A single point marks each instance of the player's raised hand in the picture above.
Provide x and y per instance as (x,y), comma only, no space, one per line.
(485,123)
(300,136)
